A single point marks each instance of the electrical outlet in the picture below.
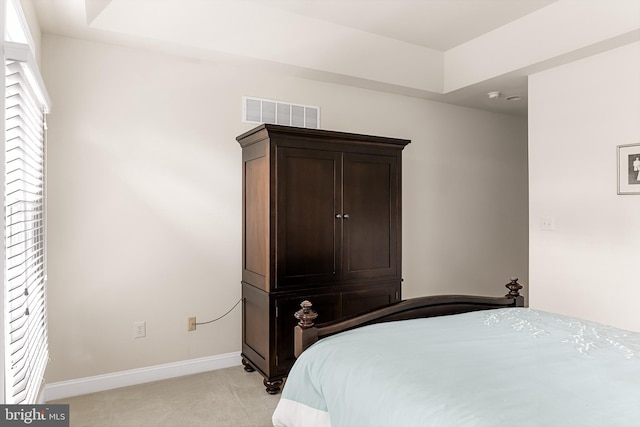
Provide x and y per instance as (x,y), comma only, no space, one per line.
(192,324)
(139,329)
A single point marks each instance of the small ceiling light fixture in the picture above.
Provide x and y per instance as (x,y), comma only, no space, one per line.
(514,98)
(494,95)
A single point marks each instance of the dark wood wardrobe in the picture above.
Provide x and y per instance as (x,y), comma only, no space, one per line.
(321,220)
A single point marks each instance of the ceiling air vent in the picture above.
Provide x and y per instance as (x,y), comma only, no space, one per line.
(257,110)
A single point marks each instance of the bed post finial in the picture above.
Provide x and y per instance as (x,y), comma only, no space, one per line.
(305,315)
(514,288)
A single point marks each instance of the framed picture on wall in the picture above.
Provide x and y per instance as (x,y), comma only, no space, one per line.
(629,169)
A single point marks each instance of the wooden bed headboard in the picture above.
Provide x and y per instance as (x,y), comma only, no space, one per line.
(307,333)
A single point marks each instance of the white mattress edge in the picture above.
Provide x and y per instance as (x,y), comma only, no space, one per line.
(289,413)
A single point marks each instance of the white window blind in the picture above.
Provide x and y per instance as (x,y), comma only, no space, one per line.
(25,316)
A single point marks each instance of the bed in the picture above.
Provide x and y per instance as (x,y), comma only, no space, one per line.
(461,361)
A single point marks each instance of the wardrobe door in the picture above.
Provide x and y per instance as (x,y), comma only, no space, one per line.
(371,215)
(370,297)
(308,195)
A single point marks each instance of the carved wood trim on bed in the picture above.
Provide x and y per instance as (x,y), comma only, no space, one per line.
(306,333)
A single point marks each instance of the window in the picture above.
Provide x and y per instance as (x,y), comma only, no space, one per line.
(25,350)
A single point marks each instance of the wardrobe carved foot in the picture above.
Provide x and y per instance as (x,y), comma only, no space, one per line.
(273,387)
(246,365)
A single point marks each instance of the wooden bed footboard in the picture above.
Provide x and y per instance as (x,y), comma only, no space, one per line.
(307,333)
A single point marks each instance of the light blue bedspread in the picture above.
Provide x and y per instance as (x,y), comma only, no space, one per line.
(507,367)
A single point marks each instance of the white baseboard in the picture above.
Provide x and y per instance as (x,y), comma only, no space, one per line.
(80,386)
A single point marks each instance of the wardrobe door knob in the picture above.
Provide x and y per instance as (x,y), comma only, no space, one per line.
(338,216)
(346,216)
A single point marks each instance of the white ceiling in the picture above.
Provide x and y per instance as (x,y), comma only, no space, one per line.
(444,50)
(436,24)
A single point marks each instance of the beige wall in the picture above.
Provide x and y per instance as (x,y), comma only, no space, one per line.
(578,114)
(145,207)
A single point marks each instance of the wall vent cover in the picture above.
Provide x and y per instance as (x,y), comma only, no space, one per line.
(258,110)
